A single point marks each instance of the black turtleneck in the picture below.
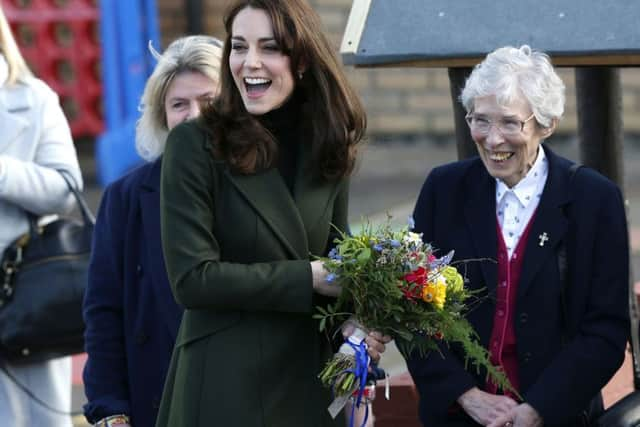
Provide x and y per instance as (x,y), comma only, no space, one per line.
(283,123)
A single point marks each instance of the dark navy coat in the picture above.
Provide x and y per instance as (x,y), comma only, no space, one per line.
(131,316)
(564,359)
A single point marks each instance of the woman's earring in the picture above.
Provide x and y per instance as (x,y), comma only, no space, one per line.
(300,75)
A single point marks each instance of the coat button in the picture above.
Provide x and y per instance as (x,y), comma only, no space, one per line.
(524,317)
(139,269)
(526,357)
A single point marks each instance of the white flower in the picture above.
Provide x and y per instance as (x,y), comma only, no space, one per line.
(437,278)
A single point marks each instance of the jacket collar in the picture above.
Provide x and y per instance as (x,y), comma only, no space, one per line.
(549,220)
(550,223)
(149,199)
(150,180)
(480,216)
(290,217)
(14,101)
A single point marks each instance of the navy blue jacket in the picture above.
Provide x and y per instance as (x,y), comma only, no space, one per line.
(564,360)
(131,316)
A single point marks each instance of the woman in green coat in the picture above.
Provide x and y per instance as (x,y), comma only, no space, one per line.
(248,194)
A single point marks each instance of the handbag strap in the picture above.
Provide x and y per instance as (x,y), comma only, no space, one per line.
(7,372)
(87,215)
(12,258)
(85,212)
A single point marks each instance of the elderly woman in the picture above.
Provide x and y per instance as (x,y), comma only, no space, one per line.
(132,319)
(554,311)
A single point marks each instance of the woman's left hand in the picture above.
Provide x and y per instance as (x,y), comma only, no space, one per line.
(522,415)
(376,342)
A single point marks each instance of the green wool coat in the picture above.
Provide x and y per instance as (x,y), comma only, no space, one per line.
(237,250)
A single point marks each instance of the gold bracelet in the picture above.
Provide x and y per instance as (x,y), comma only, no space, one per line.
(113,421)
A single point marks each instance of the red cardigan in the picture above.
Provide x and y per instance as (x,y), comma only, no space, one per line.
(502,345)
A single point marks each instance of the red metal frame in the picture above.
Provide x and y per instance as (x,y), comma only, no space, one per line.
(60,41)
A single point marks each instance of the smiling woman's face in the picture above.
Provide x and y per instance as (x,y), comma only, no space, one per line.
(185,95)
(261,71)
(507,158)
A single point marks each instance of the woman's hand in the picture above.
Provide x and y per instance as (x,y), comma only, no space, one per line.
(522,415)
(486,408)
(320,284)
(376,342)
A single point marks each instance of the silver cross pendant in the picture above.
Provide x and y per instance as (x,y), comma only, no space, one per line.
(543,238)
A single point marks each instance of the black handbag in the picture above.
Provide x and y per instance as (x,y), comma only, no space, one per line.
(43,277)
(626,412)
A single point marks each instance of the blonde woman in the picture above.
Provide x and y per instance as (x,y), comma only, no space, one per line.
(132,318)
(35,142)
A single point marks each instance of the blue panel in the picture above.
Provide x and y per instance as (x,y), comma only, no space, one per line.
(131,49)
(115,152)
(127,27)
(152,31)
(406,30)
(113,113)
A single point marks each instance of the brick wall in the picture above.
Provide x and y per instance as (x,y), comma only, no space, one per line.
(400,101)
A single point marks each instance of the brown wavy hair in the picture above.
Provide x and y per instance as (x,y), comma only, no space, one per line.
(333,116)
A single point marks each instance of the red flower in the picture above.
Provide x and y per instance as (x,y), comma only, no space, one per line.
(413,283)
(411,292)
(418,276)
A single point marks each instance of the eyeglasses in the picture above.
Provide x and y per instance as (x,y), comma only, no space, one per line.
(507,126)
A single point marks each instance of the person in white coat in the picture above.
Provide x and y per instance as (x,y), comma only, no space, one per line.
(35,142)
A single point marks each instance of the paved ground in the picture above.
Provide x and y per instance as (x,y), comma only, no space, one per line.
(388,180)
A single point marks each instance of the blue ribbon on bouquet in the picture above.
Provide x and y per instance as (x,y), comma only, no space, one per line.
(360,371)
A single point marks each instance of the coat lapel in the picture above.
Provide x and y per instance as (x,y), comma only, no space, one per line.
(310,196)
(480,215)
(14,102)
(269,196)
(149,195)
(549,221)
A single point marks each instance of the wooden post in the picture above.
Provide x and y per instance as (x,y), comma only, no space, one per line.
(194,16)
(599,103)
(466,146)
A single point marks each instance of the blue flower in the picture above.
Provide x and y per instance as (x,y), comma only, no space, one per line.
(331,277)
(378,247)
(333,254)
(394,243)
(411,222)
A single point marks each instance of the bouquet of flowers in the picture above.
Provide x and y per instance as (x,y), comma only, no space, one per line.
(392,282)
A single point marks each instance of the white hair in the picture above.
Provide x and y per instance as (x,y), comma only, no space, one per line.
(200,54)
(509,73)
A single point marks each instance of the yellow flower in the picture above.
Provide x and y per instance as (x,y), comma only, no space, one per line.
(435,293)
(428,293)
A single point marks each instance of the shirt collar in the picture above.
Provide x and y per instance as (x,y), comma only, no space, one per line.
(526,190)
